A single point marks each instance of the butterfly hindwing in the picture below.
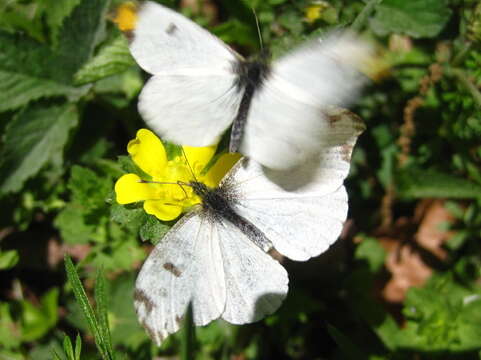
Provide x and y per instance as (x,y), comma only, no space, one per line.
(193,110)
(192,96)
(212,263)
(185,266)
(256,283)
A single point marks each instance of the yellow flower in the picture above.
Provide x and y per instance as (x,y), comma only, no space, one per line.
(168,201)
(319,9)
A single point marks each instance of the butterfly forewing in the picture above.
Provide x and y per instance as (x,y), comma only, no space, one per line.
(192,96)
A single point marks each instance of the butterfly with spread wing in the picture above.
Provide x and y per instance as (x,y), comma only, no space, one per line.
(200,86)
(217,255)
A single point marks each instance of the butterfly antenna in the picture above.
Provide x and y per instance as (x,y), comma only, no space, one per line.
(188,164)
(258,29)
(180,183)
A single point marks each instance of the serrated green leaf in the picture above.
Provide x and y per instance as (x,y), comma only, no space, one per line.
(37,65)
(417,18)
(153,229)
(73,230)
(57,12)
(131,218)
(8,259)
(113,58)
(88,189)
(31,140)
(16,16)
(17,90)
(416,183)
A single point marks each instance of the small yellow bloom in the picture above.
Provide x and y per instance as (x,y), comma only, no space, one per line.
(126,16)
(168,201)
(320,9)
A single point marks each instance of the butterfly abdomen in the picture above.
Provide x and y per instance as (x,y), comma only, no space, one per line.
(251,74)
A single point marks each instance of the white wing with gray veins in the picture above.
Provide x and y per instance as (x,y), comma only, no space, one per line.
(192,97)
(185,266)
(212,264)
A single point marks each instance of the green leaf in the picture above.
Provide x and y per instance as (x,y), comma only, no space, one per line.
(102,311)
(71,224)
(153,229)
(88,189)
(27,17)
(35,66)
(17,90)
(67,348)
(417,183)
(417,18)
(8,259)
(126,330)
(9,330)
(78,347)
(444,315)
(372,252)
(113,58)
(31,140)
(37,321)
(55,15)
(87,310)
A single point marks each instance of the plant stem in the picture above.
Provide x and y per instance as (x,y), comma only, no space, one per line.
(463,79)
(461,55)
(361,19)
(188,336)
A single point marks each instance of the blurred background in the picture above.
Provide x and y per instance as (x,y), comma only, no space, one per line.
(402,282)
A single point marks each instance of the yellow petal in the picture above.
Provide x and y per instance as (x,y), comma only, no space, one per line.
(220,168)
(161,210)
(198,157)
(148,153)
(129,189)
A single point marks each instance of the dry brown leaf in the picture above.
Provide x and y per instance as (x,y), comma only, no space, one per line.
(411,255)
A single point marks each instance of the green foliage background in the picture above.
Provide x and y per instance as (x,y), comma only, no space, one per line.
(68,93)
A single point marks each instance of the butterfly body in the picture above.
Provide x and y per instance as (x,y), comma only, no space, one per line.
(218,204)
(251,75)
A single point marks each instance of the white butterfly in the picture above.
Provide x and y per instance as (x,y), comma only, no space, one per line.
(200,87)
(216,255)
